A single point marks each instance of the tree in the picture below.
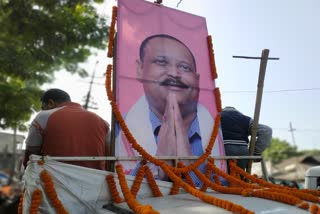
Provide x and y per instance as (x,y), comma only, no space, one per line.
(279,150)
(37,38)
(313,152)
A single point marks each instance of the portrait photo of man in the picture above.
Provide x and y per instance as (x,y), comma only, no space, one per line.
(166,116)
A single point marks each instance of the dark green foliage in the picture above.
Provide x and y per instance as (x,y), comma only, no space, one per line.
(37,38)
(279,150)
(311,152)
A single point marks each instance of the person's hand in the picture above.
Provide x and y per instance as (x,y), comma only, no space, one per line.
(167,133)
(181,131)
(166,138)
(173,139)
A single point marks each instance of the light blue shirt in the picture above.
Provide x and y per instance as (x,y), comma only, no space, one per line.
(193,133)
(194,137)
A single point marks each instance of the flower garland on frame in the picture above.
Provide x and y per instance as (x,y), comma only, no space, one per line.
(20,204)
(35,201)
(261,193)
(258,191)
(212,60)
(314,209)
(207,174)
(215,186)
(276,188)
(138,208)
(140,149)
(176,185)
(276,196)
(112,32)
(216,179)
(169,170)
(233,173)
(217,95)
(51,192)
(227,205)
(231,179)
(130,199)
(152,183)
(137,181)
(113,189)
(186,175)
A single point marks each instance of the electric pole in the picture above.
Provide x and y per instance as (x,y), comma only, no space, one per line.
(262,71)
(88,97)
(291,129)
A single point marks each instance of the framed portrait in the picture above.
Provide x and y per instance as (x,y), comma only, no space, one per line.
(164,87)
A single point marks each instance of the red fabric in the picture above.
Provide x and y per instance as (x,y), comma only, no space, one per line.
(73,131)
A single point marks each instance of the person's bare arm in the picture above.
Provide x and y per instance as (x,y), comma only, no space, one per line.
(33,142)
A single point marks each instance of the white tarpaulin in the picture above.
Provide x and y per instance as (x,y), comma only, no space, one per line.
(83,190)
(80,189)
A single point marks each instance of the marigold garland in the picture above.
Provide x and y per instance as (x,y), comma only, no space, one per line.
(216,179)
(234,174)
(207,152)
(205,186)
(130,199)
(112,32)
(311,191)
(186,175)
(314,209)
(231,179)
(40,162)
(175,185)
(51,192)
(261,193)
(137,181)
(217,95)
(281,197)
(202,196)
(113,189)
(211,57)
(152,183)
(169,169)
(20,204)
(108,79)
(35,201)
(215,186)
(301,195)
(140,149)
(243,188)
(275,194)
(276,188)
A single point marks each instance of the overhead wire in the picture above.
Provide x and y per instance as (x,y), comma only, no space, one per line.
(178,3)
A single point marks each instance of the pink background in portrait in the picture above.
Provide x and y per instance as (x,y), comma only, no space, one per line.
(143,19)
(138,20)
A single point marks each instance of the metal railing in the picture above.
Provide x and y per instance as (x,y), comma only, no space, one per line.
(133,158)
